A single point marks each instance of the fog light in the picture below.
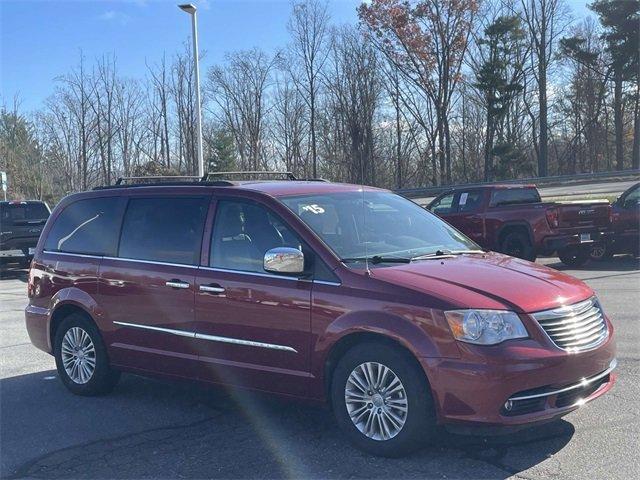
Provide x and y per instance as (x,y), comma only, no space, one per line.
(508,405)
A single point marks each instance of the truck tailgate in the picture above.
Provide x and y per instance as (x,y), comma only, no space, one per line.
(583,214)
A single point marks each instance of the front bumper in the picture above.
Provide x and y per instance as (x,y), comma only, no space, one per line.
(473,391)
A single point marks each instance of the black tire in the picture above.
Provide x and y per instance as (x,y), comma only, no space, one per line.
(601,252)
(574,256)
(518,244)
(103,378)
(420,422)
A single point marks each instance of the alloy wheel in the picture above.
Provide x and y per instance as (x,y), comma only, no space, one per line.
(78,355)
(376,401)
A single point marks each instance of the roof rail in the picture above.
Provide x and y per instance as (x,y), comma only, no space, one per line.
(216,181)
(169,180)
(159,178)
(250,173)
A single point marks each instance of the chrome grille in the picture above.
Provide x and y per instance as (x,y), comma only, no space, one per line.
(576,327)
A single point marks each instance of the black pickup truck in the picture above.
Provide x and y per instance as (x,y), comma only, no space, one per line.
(20,227)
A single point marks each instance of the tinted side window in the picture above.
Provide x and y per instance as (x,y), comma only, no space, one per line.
(470,201)
(87,226)
(242,234)
(512,196)
(167,229)
(444,205)
(632,198)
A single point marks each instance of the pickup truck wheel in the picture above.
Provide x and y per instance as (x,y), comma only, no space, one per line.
(574,257)
(518,244)
(382,401)
(601,252)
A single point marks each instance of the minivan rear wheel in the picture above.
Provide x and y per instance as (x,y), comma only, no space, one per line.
(382,401)
(81,357)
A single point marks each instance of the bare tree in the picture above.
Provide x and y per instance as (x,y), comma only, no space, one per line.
(239,90)
(354,87)
(159,103)
(308,27)
(75,94)
(427,41)
(289,126)
(545,21)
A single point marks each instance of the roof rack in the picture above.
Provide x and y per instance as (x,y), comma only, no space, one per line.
(178,180)
(250,173)
(159,178)
(168,180)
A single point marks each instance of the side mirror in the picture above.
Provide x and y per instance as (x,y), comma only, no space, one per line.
(284,260)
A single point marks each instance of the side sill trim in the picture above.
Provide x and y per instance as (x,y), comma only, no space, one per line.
(212,338)
(582,383)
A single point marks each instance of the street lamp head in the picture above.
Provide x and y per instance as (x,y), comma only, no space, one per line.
(190,8)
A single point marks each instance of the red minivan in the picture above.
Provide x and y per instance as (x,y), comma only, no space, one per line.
(328,292)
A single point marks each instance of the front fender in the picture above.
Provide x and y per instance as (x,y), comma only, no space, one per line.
(425,334)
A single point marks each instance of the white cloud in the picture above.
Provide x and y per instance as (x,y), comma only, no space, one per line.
(114,16)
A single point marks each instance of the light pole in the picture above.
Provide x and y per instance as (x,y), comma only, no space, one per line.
(191,10)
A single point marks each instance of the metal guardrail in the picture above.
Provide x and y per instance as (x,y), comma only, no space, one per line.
(576,179)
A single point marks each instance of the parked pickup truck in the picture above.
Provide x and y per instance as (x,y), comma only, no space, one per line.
(20,227)
(513,219)
(625,226)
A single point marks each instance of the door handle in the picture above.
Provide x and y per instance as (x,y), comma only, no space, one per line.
(177,284)
(212,288)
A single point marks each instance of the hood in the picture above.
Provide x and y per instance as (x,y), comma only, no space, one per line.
(488,281)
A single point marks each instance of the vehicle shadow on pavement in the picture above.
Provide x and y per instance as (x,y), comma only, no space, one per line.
(619,263)
(151,429)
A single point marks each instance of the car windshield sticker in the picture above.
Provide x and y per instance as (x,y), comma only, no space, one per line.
(317,209)
(463,198)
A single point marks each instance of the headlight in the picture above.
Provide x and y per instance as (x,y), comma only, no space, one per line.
(485,327)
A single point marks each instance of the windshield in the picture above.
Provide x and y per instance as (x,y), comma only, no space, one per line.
(388,225)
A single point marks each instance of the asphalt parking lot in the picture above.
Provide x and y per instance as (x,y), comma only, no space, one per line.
(152,429)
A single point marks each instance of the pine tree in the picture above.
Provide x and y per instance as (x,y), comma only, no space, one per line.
(499,77)
(621,21)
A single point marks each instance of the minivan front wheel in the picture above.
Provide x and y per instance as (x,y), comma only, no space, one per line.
(381,400)
(81,357)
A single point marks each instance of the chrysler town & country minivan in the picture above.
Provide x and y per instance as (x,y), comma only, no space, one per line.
(334,293)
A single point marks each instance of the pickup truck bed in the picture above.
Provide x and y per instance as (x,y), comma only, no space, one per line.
(512,219)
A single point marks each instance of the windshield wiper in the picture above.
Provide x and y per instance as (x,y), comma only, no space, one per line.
(445,253)
(375,259)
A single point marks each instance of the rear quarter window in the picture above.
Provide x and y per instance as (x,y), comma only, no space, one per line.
(87,226)
(514,196)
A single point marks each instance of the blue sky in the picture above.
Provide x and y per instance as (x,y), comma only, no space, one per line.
(41,39)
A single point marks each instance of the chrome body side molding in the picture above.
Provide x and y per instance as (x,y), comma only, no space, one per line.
(211,338)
